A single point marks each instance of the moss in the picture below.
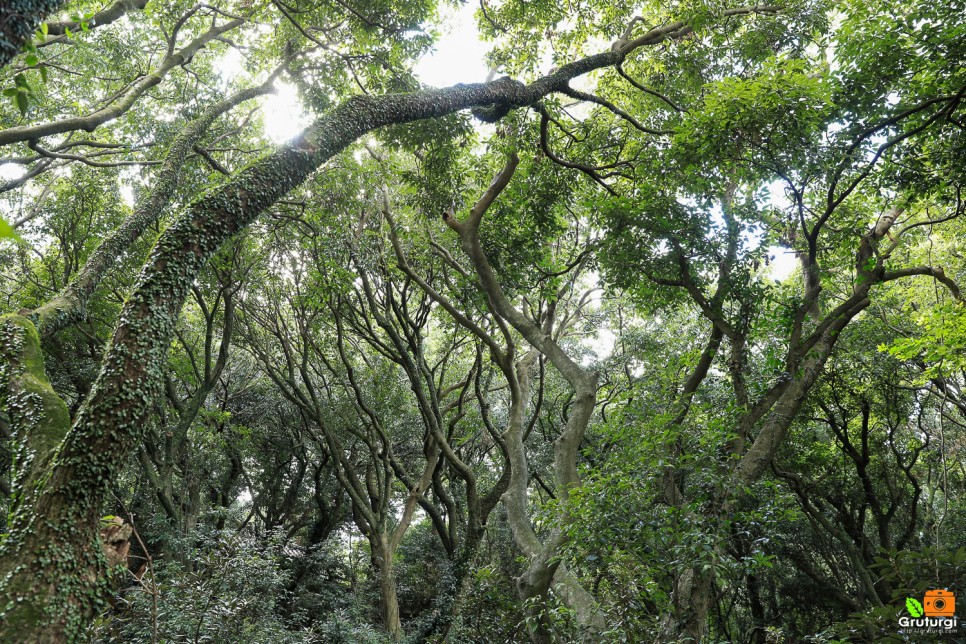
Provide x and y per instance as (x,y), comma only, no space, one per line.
(50,571)
(38,415)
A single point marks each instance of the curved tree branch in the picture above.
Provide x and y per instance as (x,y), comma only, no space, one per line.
(99,19)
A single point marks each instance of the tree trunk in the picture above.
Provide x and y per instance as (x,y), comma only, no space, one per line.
(587,612)
(388,599)
(534,584)
(49,608)
(692,603)
(759,634)
(39,603)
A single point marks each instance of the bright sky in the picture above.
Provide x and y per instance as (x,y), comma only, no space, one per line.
(783,264)
(283,113)
(785,261)
(458,57)
(459,52)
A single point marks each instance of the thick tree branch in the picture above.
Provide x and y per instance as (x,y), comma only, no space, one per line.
(99,19)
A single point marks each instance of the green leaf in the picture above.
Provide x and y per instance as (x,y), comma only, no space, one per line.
(44,28)
(32,60)
(21,101)
(7,231)
(914,607)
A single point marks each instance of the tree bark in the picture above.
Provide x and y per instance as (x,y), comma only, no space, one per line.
(382,552)
(692,602)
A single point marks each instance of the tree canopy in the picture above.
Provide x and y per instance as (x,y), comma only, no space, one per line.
(655,335)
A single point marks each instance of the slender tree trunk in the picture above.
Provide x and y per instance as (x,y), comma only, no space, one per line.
(692,603)
(463,562)
(758,635)
(388,598)
(535,583)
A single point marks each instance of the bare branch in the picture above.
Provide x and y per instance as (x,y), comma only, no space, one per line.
(593,98)
(674,106)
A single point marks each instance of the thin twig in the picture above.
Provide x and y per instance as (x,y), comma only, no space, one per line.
(150,563)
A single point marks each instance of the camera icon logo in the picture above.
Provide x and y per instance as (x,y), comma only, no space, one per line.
(939,603)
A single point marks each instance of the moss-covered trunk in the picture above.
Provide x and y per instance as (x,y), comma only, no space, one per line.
(18,21)
(58,568)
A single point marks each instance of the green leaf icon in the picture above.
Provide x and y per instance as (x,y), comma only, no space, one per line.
(914,607)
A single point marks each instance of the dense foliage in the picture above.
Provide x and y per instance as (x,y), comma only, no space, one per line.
(656,335)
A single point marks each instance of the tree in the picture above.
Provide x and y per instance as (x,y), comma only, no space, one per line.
(109,423)
(411,380)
